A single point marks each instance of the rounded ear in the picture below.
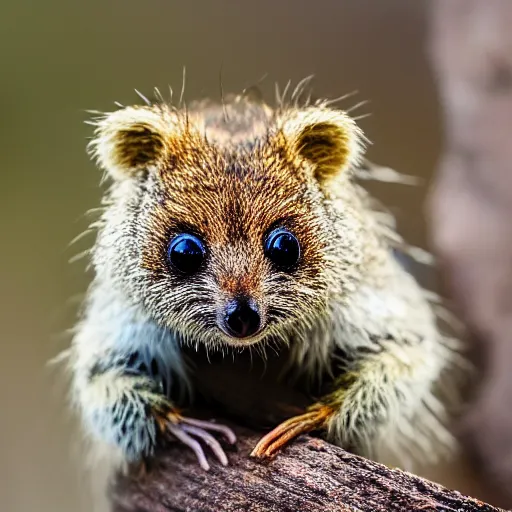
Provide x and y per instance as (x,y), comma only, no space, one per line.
(131,140)
(329,139)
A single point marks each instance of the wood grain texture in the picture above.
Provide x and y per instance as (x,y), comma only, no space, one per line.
(310,475)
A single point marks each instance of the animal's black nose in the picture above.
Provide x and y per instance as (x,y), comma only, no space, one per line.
(242,318)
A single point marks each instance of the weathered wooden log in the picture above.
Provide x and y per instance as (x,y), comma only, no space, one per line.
(308,476)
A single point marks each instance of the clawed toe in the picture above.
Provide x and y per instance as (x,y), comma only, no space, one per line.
(192,432)
(228,434)
(276,439)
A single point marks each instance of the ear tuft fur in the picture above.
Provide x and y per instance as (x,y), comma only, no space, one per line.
(329,139)
(134,139)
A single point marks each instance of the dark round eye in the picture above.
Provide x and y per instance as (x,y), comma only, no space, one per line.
(282,248)
(186,253)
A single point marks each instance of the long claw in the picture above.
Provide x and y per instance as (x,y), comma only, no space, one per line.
(209,440)
(285,438)
(283,433)
(182,436)
(183,429)
(208,425)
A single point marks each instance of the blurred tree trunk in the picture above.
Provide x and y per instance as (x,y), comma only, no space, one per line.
(471,206)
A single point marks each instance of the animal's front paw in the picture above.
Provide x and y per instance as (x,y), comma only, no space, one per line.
(191,432)
(316,418)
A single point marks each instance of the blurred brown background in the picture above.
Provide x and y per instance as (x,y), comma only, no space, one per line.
(61,58)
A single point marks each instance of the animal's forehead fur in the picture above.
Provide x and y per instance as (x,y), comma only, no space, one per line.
(230,193)
(229,175)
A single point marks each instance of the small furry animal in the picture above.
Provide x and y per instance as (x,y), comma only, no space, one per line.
(234,225)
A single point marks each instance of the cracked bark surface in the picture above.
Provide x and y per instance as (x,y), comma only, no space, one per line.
(310,475)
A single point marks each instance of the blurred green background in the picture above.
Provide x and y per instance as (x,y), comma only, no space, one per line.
(59,59)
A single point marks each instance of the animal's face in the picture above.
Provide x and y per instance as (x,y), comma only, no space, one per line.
(224,242)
